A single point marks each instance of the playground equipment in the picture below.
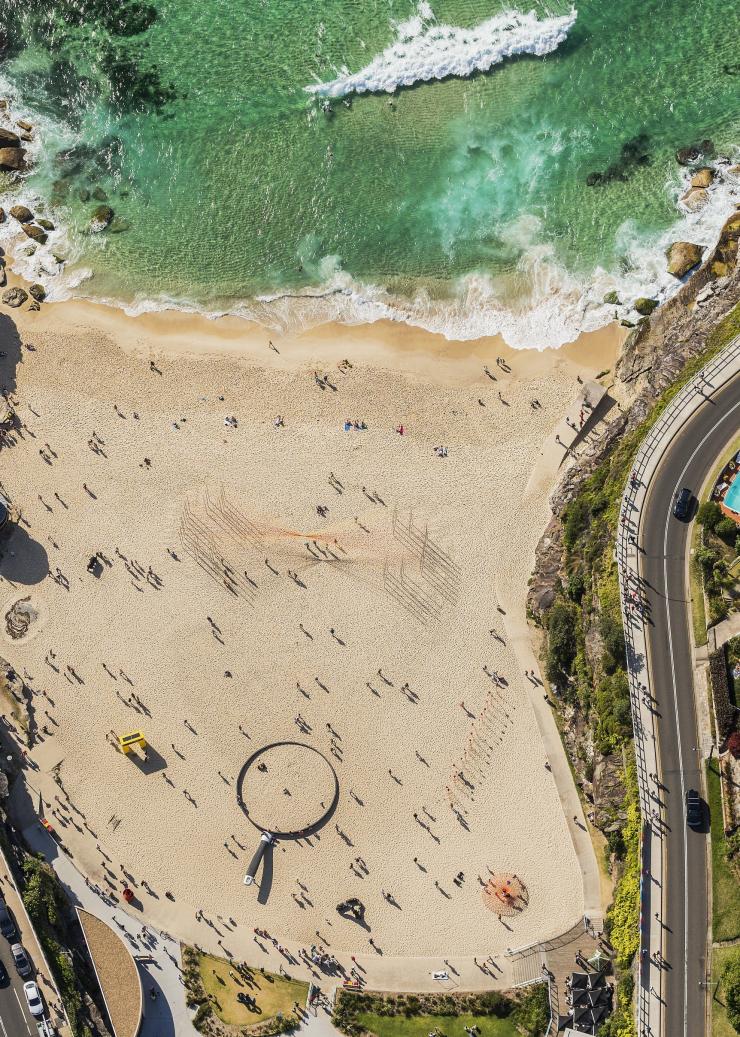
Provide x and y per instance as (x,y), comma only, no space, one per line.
(129,741)
(266,839)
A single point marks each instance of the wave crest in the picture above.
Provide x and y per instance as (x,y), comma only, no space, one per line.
(437,51)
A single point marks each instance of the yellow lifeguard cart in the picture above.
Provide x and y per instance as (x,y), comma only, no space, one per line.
(129,741)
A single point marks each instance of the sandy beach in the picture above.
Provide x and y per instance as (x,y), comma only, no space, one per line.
(226,614)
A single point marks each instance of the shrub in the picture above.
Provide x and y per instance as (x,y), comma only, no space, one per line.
(532,1014)
(726,528)
(709,514)
(724,711)
(733,744)
(561,640)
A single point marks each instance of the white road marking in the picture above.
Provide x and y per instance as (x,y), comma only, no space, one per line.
(696,450)
(22,1012)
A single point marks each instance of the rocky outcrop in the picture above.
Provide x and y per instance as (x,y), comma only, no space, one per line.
(21,213)
(37,234)
(703,177)
(688,155)
(37,292)
(12,160)
(695,198)
(645,306)
(101,218)
(8,139)
(682,257)
(14,297)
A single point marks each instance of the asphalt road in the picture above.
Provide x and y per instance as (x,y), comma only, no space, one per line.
(664,544)
(15,1019)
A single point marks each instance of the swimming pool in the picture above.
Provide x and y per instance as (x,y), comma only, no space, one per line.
(732,497)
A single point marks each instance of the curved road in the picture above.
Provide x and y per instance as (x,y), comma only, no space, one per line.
(664,546)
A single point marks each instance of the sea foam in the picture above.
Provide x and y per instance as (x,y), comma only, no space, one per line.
(424,51)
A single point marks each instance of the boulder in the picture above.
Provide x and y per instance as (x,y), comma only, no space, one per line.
(34,306)
(34,232)
(682,257)
(3,277)
(2,214)
(645,306)
(37,292)
(99,195)
(695,198)
(12,160)
(23,125)
(21,213)
(46,224)
(14,297)
(611,299)
(8,139)
(703,177)
(101,218)
(692,153)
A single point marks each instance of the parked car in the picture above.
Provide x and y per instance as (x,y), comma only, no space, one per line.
(33,998)
(693,808)
(7,925)
(4,977)
(682,504)
(21,959)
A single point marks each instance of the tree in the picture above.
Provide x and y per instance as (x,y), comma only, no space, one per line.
(709,514)
(561,640)
(733,744)
(727,529)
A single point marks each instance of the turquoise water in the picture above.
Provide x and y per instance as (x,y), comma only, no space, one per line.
(732,497)
(233,183)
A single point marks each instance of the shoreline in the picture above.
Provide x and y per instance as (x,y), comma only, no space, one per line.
(383,343)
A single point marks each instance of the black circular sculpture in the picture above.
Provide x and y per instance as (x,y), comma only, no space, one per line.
(287,789)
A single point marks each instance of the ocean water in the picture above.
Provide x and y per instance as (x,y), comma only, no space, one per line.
(459,203)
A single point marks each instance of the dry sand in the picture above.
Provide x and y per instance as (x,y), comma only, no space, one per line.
(408,582)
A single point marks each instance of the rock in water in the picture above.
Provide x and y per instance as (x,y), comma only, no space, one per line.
(695,198)
(2,214)
(14,297)
(46,224)
(703,177)
(101,218)
(12,160)
(8,139)
(645,306)
(682,257)
(611,299)
(37,292)
(34,232)
(21,213)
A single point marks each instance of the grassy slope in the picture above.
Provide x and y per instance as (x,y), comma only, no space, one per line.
(720,1024)
(422,1025)
(272,993)
(725,886)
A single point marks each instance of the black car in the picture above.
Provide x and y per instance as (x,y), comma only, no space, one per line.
(4,977)
(7,926)
(682,504)
(693,808)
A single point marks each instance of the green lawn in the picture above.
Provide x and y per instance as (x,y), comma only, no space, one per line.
(449,1025)
(720,1023)
(725,885)
(272,993)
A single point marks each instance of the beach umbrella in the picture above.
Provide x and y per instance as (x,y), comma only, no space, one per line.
(599,960)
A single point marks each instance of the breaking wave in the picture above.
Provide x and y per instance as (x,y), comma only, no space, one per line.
(425,51)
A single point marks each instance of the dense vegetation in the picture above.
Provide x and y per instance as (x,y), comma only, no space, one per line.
(585,652)
(46,904)
(720,544)
(731,988)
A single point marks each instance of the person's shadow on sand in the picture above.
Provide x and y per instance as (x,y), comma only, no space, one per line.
(22,559)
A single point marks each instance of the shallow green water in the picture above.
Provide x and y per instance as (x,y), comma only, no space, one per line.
(241,185)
